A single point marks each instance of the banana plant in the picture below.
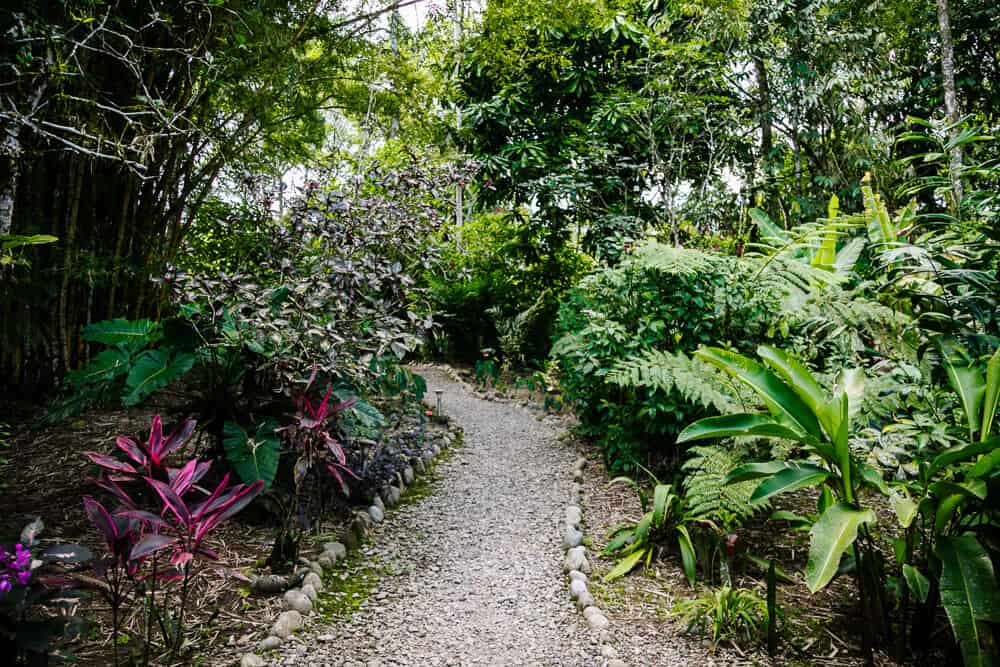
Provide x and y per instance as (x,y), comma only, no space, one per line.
(639,542)
(945,511)
(801,411)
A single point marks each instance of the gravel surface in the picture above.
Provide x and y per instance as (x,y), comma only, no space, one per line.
(472,573)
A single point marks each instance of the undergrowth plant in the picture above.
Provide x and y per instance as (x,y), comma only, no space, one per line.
(736,615)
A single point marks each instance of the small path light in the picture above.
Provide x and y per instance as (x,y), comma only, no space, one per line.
(438,392)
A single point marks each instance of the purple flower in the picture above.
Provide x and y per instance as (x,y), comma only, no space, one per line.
(14,567)
(5,583)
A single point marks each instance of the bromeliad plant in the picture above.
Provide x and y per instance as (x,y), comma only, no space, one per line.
(799,410)
(639,542)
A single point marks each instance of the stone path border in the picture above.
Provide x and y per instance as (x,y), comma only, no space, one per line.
(577,565)
(299,600)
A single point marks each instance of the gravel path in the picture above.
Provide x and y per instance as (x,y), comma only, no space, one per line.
(477,563)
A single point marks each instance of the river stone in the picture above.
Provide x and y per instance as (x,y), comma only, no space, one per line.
(335,549)
(312,579)
(571,537)
(574,515)
(252,660)
(287,623)
(376,514)
(585,600)
(326,560)
(270,643)
(575,575)
(299,601)
(392,496)
(408,475)
(598,621)
(577,475)
(310,592)
(576,559)
(269,584)
(576,589)
(608,651)
(377,502)
(580,463)
(362,524)
(617,663)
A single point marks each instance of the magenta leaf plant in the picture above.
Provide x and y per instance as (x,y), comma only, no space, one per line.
(148,459)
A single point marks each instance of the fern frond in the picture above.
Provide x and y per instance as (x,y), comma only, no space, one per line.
(693,379)
(707,494)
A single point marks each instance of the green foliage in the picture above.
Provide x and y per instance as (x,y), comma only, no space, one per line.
(625,337)
(738,615)
(253,458)
(970,597)
(705,487)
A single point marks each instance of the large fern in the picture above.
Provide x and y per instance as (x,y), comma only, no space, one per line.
(704,484)
(693,379)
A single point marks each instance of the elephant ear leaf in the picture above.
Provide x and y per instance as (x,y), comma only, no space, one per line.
(830,537)
(965,379)
(153,370)
(969,596)
(254,459)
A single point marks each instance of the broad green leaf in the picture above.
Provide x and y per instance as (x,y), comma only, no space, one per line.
(153,370)
(992,395)
(969,595)
(973,489)
(903,506)
(961,453)
(780,399)
(946,509)
(965,379)
(107,365)
(738,425)
(795,375)
(661,497)
(830,537)
(985,466)
(767,230)
(11,241)
(253,459)
(625,565)
(135,334)
(788,480)
(917,582)
(750,471)
(688,558)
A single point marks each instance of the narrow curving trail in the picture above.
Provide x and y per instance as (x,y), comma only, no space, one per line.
(472,573)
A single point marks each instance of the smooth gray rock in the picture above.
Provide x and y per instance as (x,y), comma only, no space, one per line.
(377,502)
(617,663)
(576,589)
(392,496)
(608,651)
(578,475)
(598,621)
(310,592)
(574,515)
(575,575)
(408,475)
(299,601)
(576,559)
(585,600)
(377,515)
(326,560)
(286,623)
(336,549)
(580,463)
(270,643)
(252,660)
(571,537)
(312,579)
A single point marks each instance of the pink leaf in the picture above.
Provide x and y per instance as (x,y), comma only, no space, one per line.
(181,479)
(101,519)
(171,500)
(150,544)
(130,447)
(110,463)
(155,442)
(180,436)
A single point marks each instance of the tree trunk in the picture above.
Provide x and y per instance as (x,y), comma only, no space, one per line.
(950,99)
(11,148)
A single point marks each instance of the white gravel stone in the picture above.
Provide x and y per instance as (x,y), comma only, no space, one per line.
(585,600)
(575,575)
(336,549)
(408,475)
(598,621)
(299,601)
(270,643)
(574,515)
(608,651)
(376,514)
(286,623)
(576,559)
(576,589)
(310,592)
(571,537)
(313,580)
(252,660)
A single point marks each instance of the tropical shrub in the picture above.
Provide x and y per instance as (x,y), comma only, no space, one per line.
(625,338)
(737,615)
